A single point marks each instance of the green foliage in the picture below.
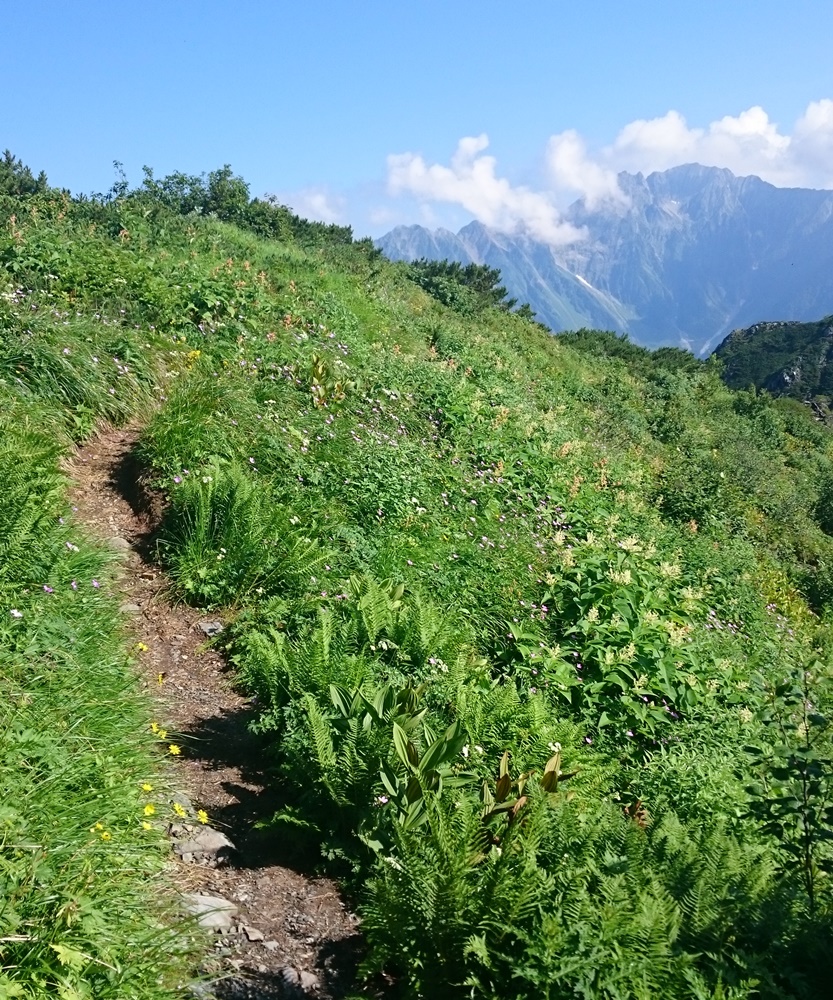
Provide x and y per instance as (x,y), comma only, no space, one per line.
(511,605)
(792,796)
(17,180)
(466,289)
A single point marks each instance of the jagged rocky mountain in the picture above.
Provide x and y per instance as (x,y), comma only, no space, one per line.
(694,253)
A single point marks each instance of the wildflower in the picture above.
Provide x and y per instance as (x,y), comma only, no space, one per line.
(174,749)
(96,584)
(146,825)
(154,727)
(149,809)
(71,547)
(15,613)
(630,544)
(202,815)
(179,810)
(593,614)
(177,479)
(627,654)
(96,827)
(160,678)
(140,647)
(207,479)
(147,786)
(554,747)
(106,835)
(669,570)
(745,716)
(48,590)
(74,585)
(465,751)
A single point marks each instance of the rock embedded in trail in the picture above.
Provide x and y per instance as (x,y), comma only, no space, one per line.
(201,844)
(210,629)
(212,912)
(119,544)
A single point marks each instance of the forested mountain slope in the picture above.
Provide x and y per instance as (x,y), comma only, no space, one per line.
(538,627)
(788,359)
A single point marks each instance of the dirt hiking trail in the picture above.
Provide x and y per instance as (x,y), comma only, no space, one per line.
(282,933)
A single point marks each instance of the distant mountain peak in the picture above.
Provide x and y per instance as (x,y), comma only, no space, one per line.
(696,252)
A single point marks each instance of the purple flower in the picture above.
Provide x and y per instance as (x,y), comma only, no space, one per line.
(48,590)
(74,585)
(96,584)
(177,479)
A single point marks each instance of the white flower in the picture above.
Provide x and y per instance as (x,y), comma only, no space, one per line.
(465,750)
(16,614)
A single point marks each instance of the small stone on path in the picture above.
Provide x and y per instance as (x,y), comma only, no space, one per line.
(118,544)
(212,912)
(201,843)
(129,608)
(210,628)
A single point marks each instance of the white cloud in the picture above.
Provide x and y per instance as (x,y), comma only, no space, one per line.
(571,169)
(746,143)
(317,204)
(472,182)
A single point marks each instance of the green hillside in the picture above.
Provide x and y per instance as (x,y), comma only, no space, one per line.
(538,627)
(787,359)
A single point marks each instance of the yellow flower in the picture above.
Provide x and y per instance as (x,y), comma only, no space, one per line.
(160,678)
(154,727)
(179,810)
(174,749)
(140,647)
(202,815)
(149,809)
(106,835)
(162,734)
(96,828)
(146,825)
(147,787)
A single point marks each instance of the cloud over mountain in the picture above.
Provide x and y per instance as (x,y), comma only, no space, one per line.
(747,144)
(471,181)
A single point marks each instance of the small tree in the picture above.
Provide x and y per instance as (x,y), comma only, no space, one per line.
(17,180)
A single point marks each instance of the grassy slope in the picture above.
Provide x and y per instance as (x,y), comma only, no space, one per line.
(562,549)
(82,902)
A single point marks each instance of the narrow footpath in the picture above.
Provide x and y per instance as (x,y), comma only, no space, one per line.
(279,932)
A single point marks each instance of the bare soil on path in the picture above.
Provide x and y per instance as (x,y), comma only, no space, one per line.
(304,940)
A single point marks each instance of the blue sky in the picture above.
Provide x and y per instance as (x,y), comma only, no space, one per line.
(355,111)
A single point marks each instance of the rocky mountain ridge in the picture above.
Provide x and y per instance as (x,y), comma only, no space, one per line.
(694,253)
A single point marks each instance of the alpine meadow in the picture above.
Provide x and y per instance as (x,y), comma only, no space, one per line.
(538,628)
